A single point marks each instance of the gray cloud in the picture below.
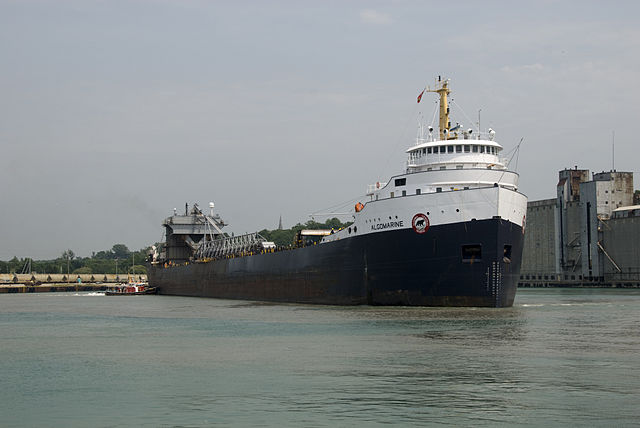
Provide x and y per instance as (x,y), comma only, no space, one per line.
(113,113)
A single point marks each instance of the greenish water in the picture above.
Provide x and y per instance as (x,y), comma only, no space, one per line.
(559,357)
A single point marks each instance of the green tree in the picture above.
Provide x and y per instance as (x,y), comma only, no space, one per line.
(103,255)
(14,265)
(120,251)
(138,269)
(284,237)
(68,255)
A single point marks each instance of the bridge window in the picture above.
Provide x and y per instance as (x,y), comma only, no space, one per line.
(400,182)
(429,150)
(449,149)
(475,148)
(481,149)
(443,149)
(467,148)
(458,149)
(471,252)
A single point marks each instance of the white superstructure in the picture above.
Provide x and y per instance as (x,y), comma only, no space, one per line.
(455,176)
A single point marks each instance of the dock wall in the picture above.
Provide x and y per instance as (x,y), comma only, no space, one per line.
(43,278)
(50,288)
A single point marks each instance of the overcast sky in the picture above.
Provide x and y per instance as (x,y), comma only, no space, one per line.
(112,113)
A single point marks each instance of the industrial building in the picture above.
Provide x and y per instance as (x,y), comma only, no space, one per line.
(588,235)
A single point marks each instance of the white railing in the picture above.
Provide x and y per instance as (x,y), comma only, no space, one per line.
(457,136)
(456,159)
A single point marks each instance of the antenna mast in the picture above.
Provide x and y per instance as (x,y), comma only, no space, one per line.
(613,150)
(442,89)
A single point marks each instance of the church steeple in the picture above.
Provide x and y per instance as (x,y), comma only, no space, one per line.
(280,223)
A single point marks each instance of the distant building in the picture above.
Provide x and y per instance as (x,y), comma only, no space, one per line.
(588,235)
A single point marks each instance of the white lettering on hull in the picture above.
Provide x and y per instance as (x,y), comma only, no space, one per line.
(387,225)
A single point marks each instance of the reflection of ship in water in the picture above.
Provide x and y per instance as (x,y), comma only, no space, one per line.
(447,231)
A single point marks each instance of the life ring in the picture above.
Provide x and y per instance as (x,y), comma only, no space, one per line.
(359,207)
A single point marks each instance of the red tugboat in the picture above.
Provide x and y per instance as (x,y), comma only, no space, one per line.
(131,289)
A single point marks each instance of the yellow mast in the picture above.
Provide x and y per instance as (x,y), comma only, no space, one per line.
(442,89)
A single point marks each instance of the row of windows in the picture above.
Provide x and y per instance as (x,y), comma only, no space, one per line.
(457,167)
(419,191)
(552,277)
(467,148)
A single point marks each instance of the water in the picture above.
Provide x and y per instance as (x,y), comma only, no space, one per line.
(559,357)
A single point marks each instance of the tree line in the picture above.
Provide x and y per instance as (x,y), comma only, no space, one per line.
(119,259)
(284,237)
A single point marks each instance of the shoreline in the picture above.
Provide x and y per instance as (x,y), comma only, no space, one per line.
(51,288)
(75,287)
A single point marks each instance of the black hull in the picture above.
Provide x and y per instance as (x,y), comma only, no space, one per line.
(399,267)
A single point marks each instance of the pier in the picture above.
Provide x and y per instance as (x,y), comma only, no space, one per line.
(47,283)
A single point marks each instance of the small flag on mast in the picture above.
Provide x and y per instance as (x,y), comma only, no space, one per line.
(420,96)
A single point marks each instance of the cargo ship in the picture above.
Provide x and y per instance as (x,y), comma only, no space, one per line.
(447,231)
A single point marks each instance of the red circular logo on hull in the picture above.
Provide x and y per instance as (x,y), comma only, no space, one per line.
(420,223)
